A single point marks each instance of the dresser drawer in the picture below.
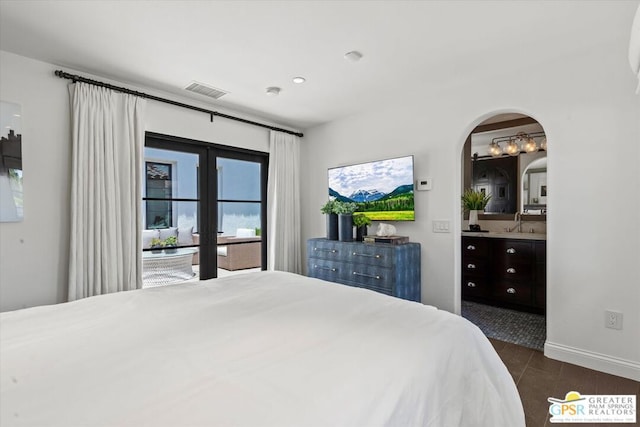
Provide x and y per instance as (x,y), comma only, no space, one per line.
(477,247)
(474,266)
(517,293)
(369,276)
(514,270)
(474,286)
(325,269)
(326,250)
(513,249)
(371,254)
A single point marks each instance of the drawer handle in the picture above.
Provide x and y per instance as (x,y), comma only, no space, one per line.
(511,251)
(366,255)
(355,273)
(511,291)
(324,268)
(471,266)
(471,248)
(471,284)
(511,270)
(333,251)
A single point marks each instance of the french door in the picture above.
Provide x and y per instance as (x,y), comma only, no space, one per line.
(212,197)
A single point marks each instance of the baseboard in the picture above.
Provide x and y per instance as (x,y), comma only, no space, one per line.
(591,360)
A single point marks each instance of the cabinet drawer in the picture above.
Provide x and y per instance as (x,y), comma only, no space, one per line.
(513,249)
(367,276)
(326,251)
(324,269)
(474,286)
(516,293)
(477,247)
(475,266)
(370,254)
(514,270)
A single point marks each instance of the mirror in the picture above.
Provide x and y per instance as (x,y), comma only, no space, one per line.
(503,158)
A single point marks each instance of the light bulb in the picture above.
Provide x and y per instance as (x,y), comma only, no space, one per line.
(494,149)
(512,148)
(530,146)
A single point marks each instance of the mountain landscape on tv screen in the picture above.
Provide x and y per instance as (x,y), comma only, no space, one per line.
(396,205)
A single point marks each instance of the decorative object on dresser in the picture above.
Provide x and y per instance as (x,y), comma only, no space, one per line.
(332,219)
(392,240)
(504,272)
(345,212)
(361,222)
(474,201)
(385,230)
(390,269)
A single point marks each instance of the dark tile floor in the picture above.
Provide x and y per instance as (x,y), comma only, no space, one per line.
(539,378)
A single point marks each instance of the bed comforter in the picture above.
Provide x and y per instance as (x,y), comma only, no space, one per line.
(258,349)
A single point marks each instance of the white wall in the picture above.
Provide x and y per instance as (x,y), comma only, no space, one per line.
(588,108)
(34,253)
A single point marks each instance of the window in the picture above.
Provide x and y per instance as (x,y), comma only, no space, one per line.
(159,186)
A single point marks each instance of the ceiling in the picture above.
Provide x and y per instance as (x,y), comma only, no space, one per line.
(243,47)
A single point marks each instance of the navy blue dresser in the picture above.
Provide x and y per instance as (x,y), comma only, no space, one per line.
(390,269)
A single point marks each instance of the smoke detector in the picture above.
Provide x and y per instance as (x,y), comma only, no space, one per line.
(206,90)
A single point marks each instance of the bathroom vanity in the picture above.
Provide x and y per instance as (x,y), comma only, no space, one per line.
(505,269)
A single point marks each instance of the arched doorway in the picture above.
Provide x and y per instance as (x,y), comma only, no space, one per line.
(503,265)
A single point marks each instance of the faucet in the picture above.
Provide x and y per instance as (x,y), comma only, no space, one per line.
(518,220)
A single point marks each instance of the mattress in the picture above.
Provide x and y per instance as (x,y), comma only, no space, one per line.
(257,349)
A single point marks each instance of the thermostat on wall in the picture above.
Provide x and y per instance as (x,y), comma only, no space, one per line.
(423,184)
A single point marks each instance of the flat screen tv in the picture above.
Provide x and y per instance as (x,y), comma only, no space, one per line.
(383,190)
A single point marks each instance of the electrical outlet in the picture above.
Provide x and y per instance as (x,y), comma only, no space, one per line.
(613,319)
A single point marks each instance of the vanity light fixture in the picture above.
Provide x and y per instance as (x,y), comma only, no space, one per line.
(516,144)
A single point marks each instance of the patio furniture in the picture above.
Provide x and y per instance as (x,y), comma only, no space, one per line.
(167,267)
(237,253)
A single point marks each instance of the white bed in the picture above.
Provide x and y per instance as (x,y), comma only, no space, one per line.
(258,349)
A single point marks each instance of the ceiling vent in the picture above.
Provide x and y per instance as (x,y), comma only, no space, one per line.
(205,90)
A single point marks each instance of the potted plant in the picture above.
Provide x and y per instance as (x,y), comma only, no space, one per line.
(156,245)
(472,202)
(332,219)
(345,212)
(171,243)
(361,222)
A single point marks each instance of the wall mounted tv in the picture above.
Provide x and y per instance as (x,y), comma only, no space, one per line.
(383,190)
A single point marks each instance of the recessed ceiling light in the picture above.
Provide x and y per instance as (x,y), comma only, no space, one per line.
(354,56)
(299,79)
(273,90)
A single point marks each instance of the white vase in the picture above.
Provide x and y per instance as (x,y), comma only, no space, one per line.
(473,217)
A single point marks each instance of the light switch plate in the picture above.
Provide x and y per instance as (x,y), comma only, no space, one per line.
(441,226)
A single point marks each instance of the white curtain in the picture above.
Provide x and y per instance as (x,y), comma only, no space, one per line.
(106,244)
(283,203)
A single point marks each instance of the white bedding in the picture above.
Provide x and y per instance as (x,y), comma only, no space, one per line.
(259,349)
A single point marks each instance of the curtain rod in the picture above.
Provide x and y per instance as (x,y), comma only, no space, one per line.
(76,78)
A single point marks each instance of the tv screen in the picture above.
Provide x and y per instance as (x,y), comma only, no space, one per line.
(383,190)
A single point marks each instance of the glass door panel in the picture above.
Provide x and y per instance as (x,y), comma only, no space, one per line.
(170,213)
(240,215)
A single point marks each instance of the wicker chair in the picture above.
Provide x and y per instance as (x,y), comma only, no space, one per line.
(237,253)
